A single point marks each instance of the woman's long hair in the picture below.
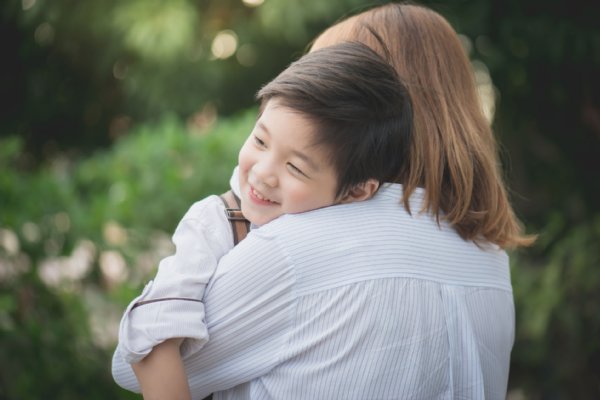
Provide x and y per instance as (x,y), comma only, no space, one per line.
(454,154)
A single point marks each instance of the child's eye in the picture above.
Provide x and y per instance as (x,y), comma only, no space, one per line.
(258,141)
(296,170)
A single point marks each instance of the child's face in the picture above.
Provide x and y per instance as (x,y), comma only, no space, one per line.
(281,171)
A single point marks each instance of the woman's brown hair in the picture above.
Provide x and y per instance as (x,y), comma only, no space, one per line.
(454,154)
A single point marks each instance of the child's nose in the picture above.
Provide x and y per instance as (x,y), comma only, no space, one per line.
(270,181)
(265,174)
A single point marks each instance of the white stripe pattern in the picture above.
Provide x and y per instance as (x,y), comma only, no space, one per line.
(358,301)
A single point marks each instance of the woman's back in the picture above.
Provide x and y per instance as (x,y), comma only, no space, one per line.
(372,303)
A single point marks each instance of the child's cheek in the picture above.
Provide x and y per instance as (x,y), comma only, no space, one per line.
(297,199)
(244,159)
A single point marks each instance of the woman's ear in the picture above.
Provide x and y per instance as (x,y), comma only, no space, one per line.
(360,192)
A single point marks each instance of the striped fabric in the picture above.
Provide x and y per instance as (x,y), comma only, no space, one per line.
(356,301)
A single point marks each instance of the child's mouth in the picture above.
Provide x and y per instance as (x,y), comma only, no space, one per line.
(259,198)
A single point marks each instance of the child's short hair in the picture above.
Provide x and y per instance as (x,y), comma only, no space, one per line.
(361,110)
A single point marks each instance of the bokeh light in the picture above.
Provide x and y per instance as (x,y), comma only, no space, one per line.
(253,3)
(27,4)
(44,34)
(246,55)
(224,44)
(485,88)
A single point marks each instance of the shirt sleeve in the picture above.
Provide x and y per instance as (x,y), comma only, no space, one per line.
(249,311)
(170,305)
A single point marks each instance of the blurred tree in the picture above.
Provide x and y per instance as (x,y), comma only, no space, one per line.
(78,75)
(544,56)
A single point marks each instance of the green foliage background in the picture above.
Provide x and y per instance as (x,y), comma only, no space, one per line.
(116,117)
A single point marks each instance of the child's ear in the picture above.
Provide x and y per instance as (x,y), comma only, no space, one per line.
(361,191)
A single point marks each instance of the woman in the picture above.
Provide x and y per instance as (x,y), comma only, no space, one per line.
(454,156)
(406,295)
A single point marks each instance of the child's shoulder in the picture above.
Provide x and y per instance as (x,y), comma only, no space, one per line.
(209,208)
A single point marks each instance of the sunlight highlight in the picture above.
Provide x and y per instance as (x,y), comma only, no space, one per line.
(224,44)
(486,89)
(27,4)
(253,3)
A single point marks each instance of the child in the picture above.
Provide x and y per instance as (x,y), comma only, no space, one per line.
(332,128)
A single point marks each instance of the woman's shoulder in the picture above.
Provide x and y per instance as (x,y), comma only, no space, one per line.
(384,205)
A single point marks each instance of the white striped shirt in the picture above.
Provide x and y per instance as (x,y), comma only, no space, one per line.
(355,301)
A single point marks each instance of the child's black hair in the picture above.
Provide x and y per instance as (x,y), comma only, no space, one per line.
(361,110)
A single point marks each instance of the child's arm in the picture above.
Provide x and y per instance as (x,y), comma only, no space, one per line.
(171,305)
(161,374)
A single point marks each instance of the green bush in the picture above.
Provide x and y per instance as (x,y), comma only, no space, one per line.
(79,238)
(557,347)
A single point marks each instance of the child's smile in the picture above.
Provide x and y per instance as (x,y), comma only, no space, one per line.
(281,170)
(258,198)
